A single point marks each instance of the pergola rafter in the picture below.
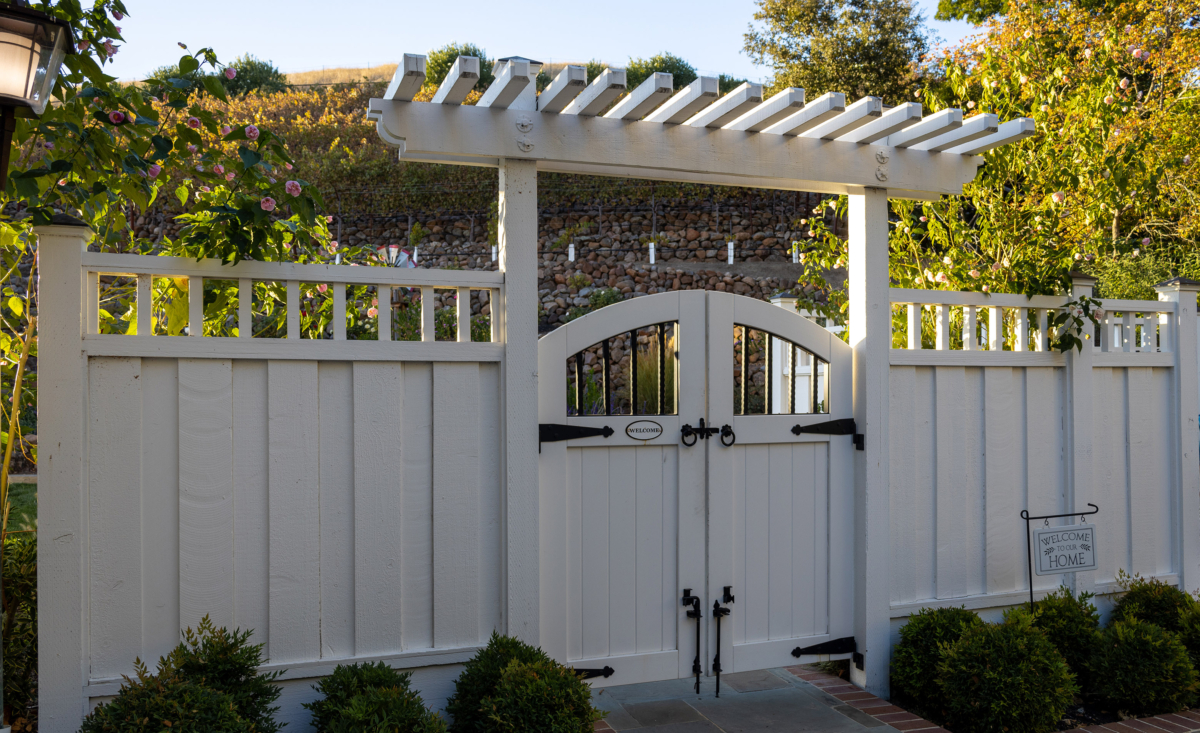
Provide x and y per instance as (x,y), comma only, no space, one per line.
(693,135)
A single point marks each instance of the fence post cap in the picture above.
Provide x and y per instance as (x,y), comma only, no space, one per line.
(1082,278)
(1178,283)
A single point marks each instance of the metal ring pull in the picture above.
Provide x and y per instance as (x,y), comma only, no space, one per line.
(688,432)
(727,432)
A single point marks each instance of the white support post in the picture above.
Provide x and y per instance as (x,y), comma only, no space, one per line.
(245,308)
(996,329)
(518,261)
(1079,422)
(870,337)
(970,326)
(914,326)
(61,404)
(339,311)
(1182,292)
(464,315)
(1043,337)
(195,306)
(428,321)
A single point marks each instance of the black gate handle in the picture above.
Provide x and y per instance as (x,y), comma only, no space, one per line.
(587,674)
(694,601)
(720,612)
(697,433)
(727,432)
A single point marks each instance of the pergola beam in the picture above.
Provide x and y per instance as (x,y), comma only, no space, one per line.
(408,79)
(935,125)
(598,95)
(463,75)
(568,85)
(1009,132)
(602,146)
(509,84)
(687,101)
(855,116)
(778,107)
(973,129)
(812,115)
(730,107)
(895,119)
(648,96)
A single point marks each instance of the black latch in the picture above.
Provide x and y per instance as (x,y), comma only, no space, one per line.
(554,433)
(703,432)
(845,645)
(587,674)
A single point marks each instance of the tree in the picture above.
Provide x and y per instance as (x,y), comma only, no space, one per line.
(254,75)
(727,83)
(859,47)
(639,70)
(972,11)
(439,61)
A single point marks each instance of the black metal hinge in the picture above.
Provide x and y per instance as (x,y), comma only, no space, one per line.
(845,645)
(846,426)
(587,674)
(554,433)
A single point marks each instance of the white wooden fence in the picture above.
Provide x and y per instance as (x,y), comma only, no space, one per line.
(980,433)
(343,499)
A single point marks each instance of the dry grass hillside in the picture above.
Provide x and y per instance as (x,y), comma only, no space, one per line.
(382,72)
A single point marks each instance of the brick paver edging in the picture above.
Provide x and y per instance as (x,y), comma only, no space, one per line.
(1187,721)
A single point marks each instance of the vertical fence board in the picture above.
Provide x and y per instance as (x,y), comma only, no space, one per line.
(1003,527)
(206,570)
(754,477)
(670,546)
(649,566)
(807,537)
(622,551)
(416,435)
(491,545)
(974,524)
(924,512)
(1162,477)
(782,484)
(337,440)
(951,490)
(114,516)
(594,490)
(1141,470)
(160,506)
(1044,447)
(902,480)
(574,550)
(456,564)
(294,520)
(251,508)
(1108,471)
(378,397)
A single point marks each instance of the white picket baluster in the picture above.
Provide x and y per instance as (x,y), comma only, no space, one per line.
(942,340)
(996,329)
(339,311)
(245,308)
(914,326)
(464,315)
(145,308)
(428,324)
(195,306)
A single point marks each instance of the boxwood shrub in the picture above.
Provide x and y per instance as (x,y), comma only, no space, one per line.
(480,678)
(1139,668)
(1004,677)
(1071,623)
(540,696)
(370,698)
(170,701)
(1189,633)
(915,659)
(1151,600)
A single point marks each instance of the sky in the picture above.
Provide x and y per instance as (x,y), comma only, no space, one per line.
(304,35)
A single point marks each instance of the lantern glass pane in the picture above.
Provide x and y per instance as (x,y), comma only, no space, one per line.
(30,55)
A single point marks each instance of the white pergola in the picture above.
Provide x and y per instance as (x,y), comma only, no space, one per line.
(862,149)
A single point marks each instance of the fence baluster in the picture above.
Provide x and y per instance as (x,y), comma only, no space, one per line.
(93,303)
(245,308)
(1021,337)
(195,306)
(942,341)
(293,309)
(996,329)
(464,314)
(428,324)
(1043,337)
(145,306)
(970,337)
(914,325)
(339,311)
(383,316)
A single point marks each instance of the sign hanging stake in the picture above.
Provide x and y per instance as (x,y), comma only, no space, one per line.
(1069,549)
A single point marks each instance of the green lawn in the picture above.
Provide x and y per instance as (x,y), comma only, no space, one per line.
(23,514)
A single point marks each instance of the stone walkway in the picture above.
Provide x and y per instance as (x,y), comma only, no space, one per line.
(776,700)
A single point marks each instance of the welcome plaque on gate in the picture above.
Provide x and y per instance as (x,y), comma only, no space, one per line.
(1070,549)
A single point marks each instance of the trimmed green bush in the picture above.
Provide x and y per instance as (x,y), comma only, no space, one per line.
(915,659)
(1189,633)
(1071,624)
(480,678)
(541,696)
(1151,600)
(370,698)
(226,662)
(1005,677)
(1139,668)
(170,701)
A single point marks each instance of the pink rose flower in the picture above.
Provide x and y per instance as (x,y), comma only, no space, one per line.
(117,15)
(192,149)
(62,181)
(205,189)
(292,187)
(116,117)
(287,165)
(268,203)
(199,169)
(322,287)
(154,170)
(109,49)
(83,46)
(923,219)
(226,129)
(218,169)
(1137,53)
(985,288)
(1058,197)
(230,176)
(974,273)
(230,72)
(194,123)
(272,180)
(971,104)
(251,132)
(1146,242)
(1087,53)
(48,146)
(941,277)
(372,312)
(1109,99)
(329,220)
(1124,83)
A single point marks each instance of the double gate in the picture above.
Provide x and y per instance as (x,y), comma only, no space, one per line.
(696,489)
